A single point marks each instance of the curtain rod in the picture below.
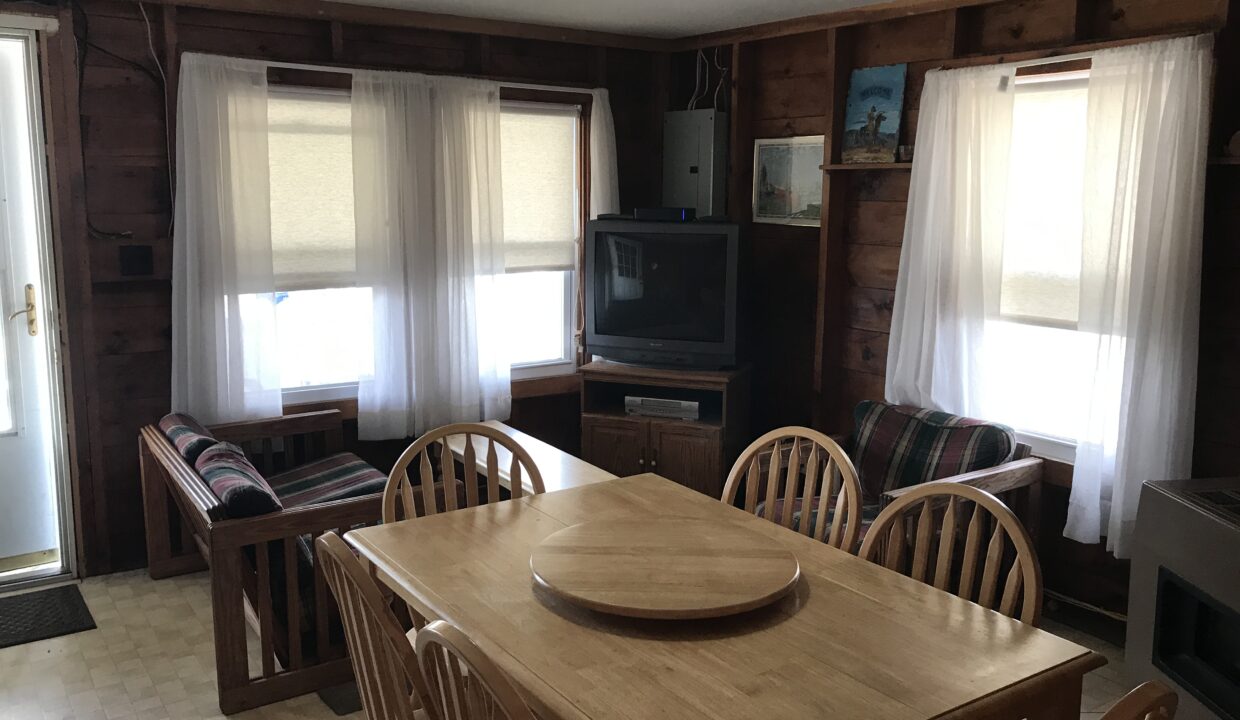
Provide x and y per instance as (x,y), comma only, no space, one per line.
(1079,51)
(345,70)
(22,21)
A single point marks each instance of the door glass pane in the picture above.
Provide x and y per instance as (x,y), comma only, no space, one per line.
(6,387)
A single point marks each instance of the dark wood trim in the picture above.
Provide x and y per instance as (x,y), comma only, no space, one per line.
(827,21)
(831,300)
(546,95)
(394,17)
(1052,68)
(32,8)
(347,408)
(71,255)
(1077,49)
(569,384)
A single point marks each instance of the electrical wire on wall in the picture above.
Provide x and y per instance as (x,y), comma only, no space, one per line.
(163,78)
(723,75)
(701,79)
(84,46)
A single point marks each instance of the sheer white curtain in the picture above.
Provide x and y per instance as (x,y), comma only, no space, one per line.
(428,206)
(1134,346)
(1141,269)
(224,355)
(604,175)
(953,240)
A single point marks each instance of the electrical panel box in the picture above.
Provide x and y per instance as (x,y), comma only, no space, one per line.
(695,160)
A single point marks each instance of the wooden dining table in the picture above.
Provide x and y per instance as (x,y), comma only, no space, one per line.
(853,640)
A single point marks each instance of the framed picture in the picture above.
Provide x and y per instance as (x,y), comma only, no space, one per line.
(787,180)
(872,115)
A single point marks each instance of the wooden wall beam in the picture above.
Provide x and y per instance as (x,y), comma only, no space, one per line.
(832,290)
(740,165)
(395,17)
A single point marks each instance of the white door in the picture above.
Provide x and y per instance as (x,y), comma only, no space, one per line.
(34,521)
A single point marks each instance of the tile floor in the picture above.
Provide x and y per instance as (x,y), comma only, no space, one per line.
(151,658)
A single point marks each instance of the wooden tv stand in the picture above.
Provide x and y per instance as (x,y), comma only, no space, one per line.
(695,453)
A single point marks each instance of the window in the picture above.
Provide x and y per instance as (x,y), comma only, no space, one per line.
(541,168)
(313,245)
(314,240)
(1038,361)
(542,203)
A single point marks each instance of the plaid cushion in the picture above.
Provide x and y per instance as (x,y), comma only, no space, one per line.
(236,482)
(187,435)
(336,477)
(897,446)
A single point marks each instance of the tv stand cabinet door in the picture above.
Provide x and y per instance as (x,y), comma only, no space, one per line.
(688,453)
(618,445)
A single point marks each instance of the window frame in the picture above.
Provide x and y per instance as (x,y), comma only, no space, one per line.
(574,290)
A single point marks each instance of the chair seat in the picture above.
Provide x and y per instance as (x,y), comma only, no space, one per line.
(869,511)
(335,477)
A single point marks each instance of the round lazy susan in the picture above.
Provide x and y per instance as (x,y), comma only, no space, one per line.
(664,568)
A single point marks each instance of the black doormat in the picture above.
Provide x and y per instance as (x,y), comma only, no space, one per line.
(43,614)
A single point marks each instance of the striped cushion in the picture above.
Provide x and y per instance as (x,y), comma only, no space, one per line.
(336,477)
(236,482)
(189,437)
(869,512)
(898,446)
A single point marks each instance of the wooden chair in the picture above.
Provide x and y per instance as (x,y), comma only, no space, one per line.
(1149,701)
(810,485)
(990,529)
(464,683)
(388,679)
(401,499)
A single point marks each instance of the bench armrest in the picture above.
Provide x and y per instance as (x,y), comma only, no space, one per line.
(341,515)
(995,480)
(299,424)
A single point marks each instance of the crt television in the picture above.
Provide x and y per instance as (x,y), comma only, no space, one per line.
(662,293)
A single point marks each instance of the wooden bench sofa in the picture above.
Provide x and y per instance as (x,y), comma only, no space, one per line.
(262,567)
(908,447)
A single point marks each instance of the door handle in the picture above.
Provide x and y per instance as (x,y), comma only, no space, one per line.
(32,316)
(654,461)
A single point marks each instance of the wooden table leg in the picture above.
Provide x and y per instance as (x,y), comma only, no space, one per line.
(1061,702)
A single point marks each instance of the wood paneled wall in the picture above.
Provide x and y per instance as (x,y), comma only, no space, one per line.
(126,298)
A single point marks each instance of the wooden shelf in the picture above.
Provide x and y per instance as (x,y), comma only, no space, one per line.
(867,166)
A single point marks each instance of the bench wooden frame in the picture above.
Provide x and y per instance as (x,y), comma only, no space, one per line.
(1017,482)
(186,532)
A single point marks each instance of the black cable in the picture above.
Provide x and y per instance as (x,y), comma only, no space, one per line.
(84,45)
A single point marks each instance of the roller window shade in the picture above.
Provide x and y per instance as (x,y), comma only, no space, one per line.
(541,179)
(313,236)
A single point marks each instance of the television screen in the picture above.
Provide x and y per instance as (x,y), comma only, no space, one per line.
(661,286)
